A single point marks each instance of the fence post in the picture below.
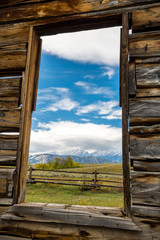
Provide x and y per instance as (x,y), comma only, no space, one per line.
(30,174)
(95,178)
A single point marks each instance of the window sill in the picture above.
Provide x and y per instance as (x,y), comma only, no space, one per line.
(72,215)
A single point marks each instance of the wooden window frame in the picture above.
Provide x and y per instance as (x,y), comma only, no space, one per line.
(31,76)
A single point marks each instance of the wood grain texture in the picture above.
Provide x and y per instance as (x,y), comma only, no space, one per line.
(7,175)
(145,20)
(143,121)
(144,45)
(8,157)
(147,75)
(10,92)
(3,187)
(48,9)
(37,74)
(27,104)
(10,82)
(50,215)
(146,188)
(8,142)
(10,118)
(146,211)
(6,237)
(9,102)
(132,79)
(5,202)
(12,34)
(148,92)
(147,107)
(142,148)
(12,58)
(68,232)
(145,130)
(148,60)
(111,3)
(124,102)
(150,166)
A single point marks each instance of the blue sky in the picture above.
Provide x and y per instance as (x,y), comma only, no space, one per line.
(77,106)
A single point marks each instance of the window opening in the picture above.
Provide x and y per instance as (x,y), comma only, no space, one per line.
(77,123)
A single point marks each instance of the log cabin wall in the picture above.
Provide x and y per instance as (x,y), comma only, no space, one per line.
(144,97)
(21,24)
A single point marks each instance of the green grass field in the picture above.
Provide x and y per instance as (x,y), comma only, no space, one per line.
(75,195)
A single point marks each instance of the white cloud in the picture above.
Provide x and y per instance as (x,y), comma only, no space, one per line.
(63,104)
(100,107)
(51,94)
(108,71)
(66,137)
(97,46)
(115,114)
(56,99)
(51,89)
(85,120)
(91,88)
(89,76)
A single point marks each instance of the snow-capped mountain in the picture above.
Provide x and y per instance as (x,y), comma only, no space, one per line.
(44,158)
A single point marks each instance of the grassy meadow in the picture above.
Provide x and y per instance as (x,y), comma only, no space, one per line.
(78,195)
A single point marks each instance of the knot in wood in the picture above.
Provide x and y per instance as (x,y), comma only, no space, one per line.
(104,1)
(124,51)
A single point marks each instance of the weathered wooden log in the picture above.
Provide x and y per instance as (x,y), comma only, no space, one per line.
(8,160)
(148,60)
(148,92)
(7,237)
(67,232)
(146,188)
(5,201)
(10,82)
(12,59)
(146,211)
(9,129)
(147,75)
(13,34)
(144,45)
(47,9)
(144,121)
(50,215)
(10,118)
(10,87)
(9,102)
(144,20)
(8,157)
(6,185)
(147,107)
(142,148)
(150,166)
(8,142)
(154,129)
(111,3)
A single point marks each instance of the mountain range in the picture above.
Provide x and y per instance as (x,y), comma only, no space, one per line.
(44,158)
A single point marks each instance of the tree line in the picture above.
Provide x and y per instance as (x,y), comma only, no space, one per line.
(59,163)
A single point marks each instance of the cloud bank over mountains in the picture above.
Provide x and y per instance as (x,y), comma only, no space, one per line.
(67,137)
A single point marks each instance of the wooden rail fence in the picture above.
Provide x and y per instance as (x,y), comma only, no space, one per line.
(95,182)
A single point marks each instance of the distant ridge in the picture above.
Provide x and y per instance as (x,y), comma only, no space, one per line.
(44,158)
